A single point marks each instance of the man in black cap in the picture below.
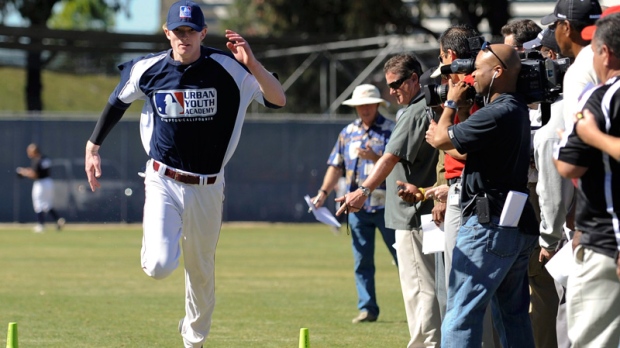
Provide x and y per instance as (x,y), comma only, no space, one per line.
(593,290)
(568,19)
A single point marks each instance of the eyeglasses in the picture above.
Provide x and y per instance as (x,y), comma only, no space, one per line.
(487,46)
(396,84)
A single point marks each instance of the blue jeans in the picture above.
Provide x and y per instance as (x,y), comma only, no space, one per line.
(489,265)
(363,226)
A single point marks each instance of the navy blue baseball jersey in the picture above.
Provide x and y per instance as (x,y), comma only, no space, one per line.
(193,114)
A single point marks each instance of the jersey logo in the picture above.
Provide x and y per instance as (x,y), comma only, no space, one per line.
(185,12)
(186,103)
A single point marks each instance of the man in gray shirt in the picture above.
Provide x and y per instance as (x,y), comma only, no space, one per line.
(408,167)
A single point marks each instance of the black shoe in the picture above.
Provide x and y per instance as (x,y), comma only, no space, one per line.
(364,317)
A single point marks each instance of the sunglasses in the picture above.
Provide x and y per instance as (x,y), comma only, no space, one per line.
(486,46)
(396,84)
(440,57)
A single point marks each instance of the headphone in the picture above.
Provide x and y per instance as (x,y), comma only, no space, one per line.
(494,74)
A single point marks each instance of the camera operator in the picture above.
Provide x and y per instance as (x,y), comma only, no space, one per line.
(568,19)
(555,198)
(545,43)
(489,260)
(593,290)
(454,44)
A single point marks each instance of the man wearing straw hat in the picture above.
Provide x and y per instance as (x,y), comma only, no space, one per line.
(360,144)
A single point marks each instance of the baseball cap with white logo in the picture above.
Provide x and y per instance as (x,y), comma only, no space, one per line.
(580,10)
(185,13)
(545,38)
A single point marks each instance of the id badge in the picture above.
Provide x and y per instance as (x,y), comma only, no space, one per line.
(454,199)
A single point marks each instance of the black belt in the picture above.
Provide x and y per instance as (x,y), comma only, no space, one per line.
(453,181)
(183,177)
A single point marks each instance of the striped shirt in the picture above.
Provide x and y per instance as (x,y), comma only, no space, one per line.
(598,194)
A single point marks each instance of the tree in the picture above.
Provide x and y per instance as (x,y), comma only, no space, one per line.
(81,14)
(85,14)
(350,18)
(354,19)
(471,12)
(303,22)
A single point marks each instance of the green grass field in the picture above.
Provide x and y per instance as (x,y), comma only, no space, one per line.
(83,287)
(61,92)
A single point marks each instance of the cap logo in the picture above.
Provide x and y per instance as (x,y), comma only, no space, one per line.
(185,12)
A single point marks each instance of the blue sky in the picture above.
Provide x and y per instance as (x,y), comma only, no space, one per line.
(144,18)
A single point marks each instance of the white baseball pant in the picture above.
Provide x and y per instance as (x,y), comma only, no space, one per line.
(43,195)
(188,217)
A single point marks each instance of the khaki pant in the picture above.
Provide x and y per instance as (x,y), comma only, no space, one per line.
(417,281)
(593,299)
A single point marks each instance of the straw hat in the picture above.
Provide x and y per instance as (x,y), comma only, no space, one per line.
(366,94)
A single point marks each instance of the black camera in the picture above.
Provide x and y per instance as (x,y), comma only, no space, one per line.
(437,94)
(540,79)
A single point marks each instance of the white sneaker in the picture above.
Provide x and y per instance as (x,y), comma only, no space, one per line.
(60,224)
(38,228)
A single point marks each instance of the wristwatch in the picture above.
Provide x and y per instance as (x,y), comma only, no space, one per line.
(451,104)
(365,191)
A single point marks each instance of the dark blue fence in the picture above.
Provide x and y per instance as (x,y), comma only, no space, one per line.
(276,163)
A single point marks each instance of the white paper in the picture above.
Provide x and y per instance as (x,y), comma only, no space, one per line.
(322,214)
(434,238)
(513,207)
(561,264)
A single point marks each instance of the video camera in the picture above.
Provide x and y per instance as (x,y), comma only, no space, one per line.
(539,81)
(435,94)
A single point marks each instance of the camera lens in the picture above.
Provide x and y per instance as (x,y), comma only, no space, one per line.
(435,94)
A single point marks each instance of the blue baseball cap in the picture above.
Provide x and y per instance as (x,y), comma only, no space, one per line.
(545,38)
(185,13)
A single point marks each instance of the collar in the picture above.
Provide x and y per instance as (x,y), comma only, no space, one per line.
(378,120)
(417,98)
(203,54)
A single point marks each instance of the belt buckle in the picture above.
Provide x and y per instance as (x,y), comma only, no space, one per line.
(177,176)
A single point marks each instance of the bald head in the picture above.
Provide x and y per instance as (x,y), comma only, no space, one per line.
(511,58)
(497,69)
